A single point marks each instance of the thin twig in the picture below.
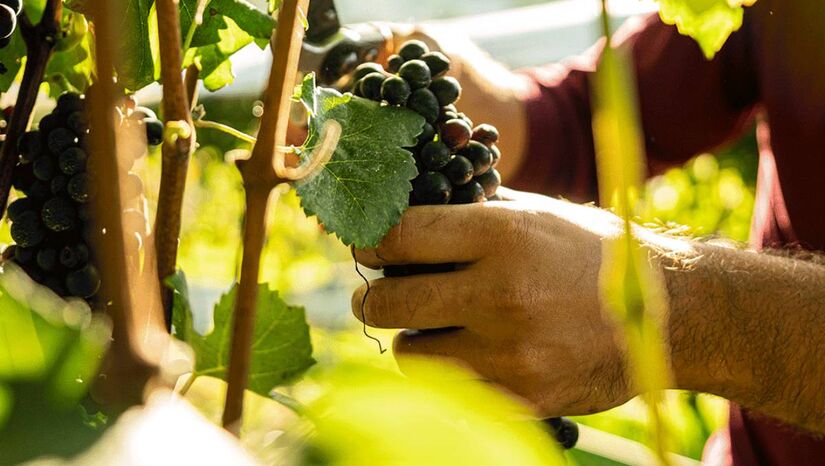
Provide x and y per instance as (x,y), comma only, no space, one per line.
(259,178)
(175,154)
(40,40)
(226,129)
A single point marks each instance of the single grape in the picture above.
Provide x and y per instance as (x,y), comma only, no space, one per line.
(456,134)
(15,5)
(132,187)
(58,184)
(80,188)
(72,160)
(44,168)
(83,283)
(8,21)
(394,63)
(74,256)
(469,193)
(22,177)
(38,190)
(479,155)
(154,131)
(69,103)
(395,91)
(366,68)
(425,104)
(496,154)
(24,255)
(416,73)
(28,231)
(143,113)
(459,170)
(47,259)
(447,90)
(490,181)
(60,139)
(432,188)
(30,146)
(485,134)
(413,49)
(437,62)
(465,118)
(48,123)
(371,86)
(427,134)
(435,155)
(59,214)
(24,204)
(78,123)
(356,89)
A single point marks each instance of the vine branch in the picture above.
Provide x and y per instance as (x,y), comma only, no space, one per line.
(259,179)
(40,40)
(175,153)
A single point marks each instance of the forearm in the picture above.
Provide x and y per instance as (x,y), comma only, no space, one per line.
(749,327)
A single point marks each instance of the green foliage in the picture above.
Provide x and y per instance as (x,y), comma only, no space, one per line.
(11,60)
(364,188)
(710,22)
(439,416)
(50,352)
(281,348)
(71,69)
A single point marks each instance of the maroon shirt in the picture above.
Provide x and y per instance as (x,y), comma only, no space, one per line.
(772,69)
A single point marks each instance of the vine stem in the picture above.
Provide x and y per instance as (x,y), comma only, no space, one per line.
(40,40)
(259,179)
(176,152)
(132,304)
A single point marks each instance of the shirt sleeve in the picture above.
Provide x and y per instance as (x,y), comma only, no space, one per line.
(688,105)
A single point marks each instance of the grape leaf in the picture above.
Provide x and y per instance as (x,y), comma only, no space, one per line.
(364,188)
(709,22)
(135,65)
(213,60)
(72,69)
(50,351)
(281,349)
(248,18)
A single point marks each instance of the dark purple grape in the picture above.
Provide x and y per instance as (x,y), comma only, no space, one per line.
(485,134)
(456,134)
(446,90)
(395,91)
(490,181)
(84,282)
(416,73)
(394,63)
(469,193)
(423,102)
(479,155)
(437,62)
(413,49)
(435,155)
(432,188)
(459,170)
(59,214)
(371,86)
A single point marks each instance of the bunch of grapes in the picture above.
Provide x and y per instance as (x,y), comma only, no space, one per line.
(51,225)
(456,160)
(9,10)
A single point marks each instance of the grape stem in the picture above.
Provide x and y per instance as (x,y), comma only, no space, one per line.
(226,129)
(259,179)
(177,105)
(40,40)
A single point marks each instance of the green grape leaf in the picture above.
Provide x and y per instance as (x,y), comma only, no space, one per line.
(181,308)
(281,349)
(709,22)
(213,60)
(50,352)
(361,192)
(135,65)
(246,16)
(72,69)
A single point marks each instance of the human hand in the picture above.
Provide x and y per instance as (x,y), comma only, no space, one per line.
(523,309)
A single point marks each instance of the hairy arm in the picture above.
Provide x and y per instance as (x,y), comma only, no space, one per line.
(524,310)
(749,327)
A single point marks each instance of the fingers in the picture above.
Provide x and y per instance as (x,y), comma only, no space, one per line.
(456,345)
(420,301)
(435,235)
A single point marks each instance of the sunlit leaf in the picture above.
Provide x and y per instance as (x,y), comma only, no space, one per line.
(439,417)
(364,188)
(710,22)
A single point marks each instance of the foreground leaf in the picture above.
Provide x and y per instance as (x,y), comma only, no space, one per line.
(251,20)
(361,192)
(709,22)
(281,349)
(50,352)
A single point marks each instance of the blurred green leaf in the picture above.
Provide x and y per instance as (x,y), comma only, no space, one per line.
(250,19)
(441,416)
(12,58)
(710,22)
(361,192)
(281,349)
(72,69)
(213,60)
(49,354)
